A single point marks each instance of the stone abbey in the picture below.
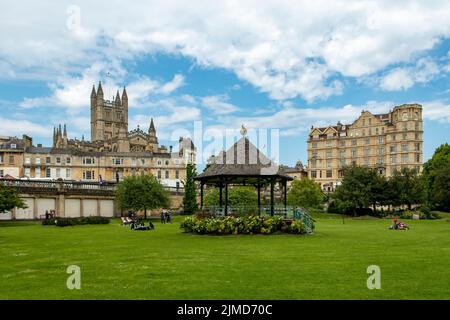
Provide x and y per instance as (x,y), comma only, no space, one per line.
(112,153)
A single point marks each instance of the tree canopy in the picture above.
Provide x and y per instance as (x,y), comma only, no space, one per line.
(435,177)
(10,199)
(142,192)
(306,193)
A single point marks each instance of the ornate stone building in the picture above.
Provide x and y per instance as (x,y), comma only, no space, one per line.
(113,152)
(387,142)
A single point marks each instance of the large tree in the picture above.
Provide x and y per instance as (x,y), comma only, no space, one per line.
(407,187)
(355,191)
(440,191)
(142,192)
(306,193)
(190,205)
(433,170)
(10,199)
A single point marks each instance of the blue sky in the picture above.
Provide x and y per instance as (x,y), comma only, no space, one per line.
(264,64)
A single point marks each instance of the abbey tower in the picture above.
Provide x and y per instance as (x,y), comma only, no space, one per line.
(108,117)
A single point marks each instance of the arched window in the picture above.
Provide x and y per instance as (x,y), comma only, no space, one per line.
(404,116)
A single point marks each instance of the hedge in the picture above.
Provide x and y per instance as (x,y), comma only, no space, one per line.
(242,225)
(64,222)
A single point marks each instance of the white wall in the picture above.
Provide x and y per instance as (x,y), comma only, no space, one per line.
(89,207)
(28,212)
(44,204)
(72,208)
(6,215)
(107,208)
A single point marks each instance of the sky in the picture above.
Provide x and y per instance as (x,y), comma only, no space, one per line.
(271,65)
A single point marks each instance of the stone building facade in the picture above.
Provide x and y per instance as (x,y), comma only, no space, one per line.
(112,154)
(387,142)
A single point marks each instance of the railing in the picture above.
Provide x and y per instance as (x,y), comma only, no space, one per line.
(68,186)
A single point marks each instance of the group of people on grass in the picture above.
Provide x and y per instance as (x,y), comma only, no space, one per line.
(166,216)
(398,225)
(137,223)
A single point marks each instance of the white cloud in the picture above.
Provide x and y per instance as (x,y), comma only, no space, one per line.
(175,117)
(436,111)
(397,79)
(293,121)
(15,127)
(219,105)
(73,92)
(285,49)
(405,78)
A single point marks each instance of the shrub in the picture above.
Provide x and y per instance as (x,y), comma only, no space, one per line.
(64,222)
(249,224)
(94,220)
(297,227)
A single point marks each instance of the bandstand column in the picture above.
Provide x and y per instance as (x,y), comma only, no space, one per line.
(226,197)
(272,187)
(259,197)
(201,194)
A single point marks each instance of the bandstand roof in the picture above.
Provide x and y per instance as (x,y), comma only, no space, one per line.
(242,163)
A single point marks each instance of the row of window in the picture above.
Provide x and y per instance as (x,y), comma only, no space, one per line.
(47,173)
(405,158)
(10,159)
(119,161)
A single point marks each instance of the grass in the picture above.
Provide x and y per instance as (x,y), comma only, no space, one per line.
(117,263)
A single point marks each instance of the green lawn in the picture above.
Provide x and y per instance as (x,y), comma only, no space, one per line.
(117,263)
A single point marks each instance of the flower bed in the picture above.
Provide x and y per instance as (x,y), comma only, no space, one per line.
(243,225)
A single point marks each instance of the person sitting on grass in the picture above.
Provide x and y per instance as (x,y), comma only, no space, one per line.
(151,226)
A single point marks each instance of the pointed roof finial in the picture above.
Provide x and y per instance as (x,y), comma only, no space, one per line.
(100,89)
(93,93)
(124,93)
(152,126)
(65,130)
(117,96)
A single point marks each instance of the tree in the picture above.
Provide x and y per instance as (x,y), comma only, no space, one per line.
(432,169)
(380,191)
(239,196)
(440,196)
(306,193)
(10,199)
(141,192)
(355,189)
(408,187)
(190,197)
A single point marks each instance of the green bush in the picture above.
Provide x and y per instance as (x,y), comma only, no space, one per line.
(249,224)
(297,227)
(64,222)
